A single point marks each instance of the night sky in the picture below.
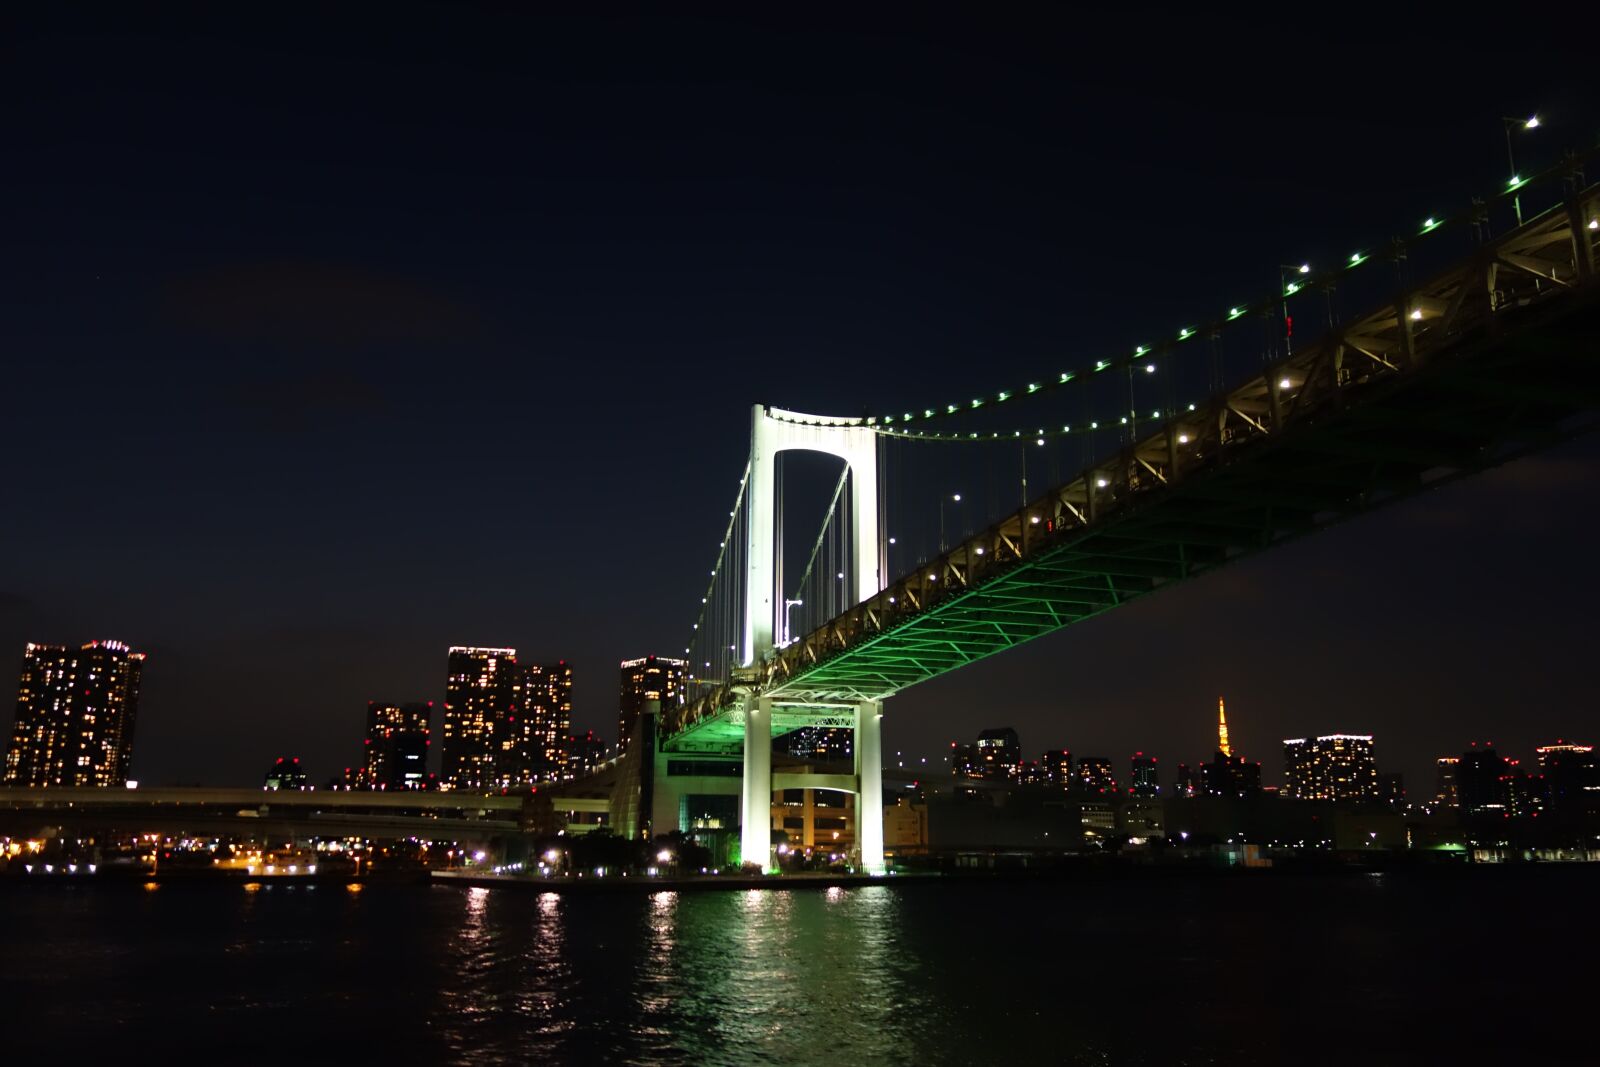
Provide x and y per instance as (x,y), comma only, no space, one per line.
(331,343)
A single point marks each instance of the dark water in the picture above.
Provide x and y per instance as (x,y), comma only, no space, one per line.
(1488,966)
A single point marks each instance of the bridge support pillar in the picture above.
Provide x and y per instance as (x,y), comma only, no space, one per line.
(755,804)
(869,785)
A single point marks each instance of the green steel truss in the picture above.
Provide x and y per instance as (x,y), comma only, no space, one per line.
(1496,358)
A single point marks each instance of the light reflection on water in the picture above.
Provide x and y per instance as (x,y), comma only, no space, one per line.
(1179,970)
(699,978)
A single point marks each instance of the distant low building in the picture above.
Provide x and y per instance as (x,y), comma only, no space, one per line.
(285,774)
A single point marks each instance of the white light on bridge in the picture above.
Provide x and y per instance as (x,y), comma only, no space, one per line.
(1284,383)
(1532,123)
(1183,438)
(1417,314)
(1101,482)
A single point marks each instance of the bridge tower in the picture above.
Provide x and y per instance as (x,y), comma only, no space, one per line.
(772,431)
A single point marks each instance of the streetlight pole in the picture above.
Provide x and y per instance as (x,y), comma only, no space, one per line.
(788,605)
(1529,123)
(1286,289)
(955,497)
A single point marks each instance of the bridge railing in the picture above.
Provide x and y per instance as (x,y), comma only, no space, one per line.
(1541,260)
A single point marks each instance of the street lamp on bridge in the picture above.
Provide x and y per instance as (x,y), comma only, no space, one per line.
(788,605)
(1529,123)
(954,497)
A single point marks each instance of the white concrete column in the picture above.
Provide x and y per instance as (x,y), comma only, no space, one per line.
(773,431)
(761,578)
(755,804)
(869,785)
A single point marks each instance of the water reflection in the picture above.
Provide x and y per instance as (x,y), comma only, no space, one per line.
(668,977)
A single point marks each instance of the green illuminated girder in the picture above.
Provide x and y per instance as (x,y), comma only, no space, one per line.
(1421,430)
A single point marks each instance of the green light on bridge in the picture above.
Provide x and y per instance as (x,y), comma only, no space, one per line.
(1356,259)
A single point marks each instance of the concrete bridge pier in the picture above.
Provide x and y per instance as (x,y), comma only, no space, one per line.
(755,798)
(869,785)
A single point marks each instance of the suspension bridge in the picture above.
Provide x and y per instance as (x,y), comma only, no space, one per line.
(1473,340)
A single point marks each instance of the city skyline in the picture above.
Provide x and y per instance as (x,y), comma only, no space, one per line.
(550,737)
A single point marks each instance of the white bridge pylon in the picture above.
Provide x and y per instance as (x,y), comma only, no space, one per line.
(773,430)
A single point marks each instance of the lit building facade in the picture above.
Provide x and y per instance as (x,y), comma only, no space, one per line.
(76,711)
(1444,782)
(1144,779)
(533,744)
(285,774)
(650,678)
(1483,780)
(1095,776)
(1332,767)
(824,744)
(584,755)
(1056,766)
(998,752)
(479,691)
(964,761)
(1573,774)
(397,745)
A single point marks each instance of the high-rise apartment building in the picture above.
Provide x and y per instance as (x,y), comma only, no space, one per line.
(480,690)
(584,755)
(1144,780)
(1444,782)
(1573,774)
(1095,776)
(649,678)
(76,710)
(1332,767)
(397,745)
(1056,767)
(999,750)
(1483,781)
(534,743)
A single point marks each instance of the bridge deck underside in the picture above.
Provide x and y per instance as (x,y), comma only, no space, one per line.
(1501,399)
